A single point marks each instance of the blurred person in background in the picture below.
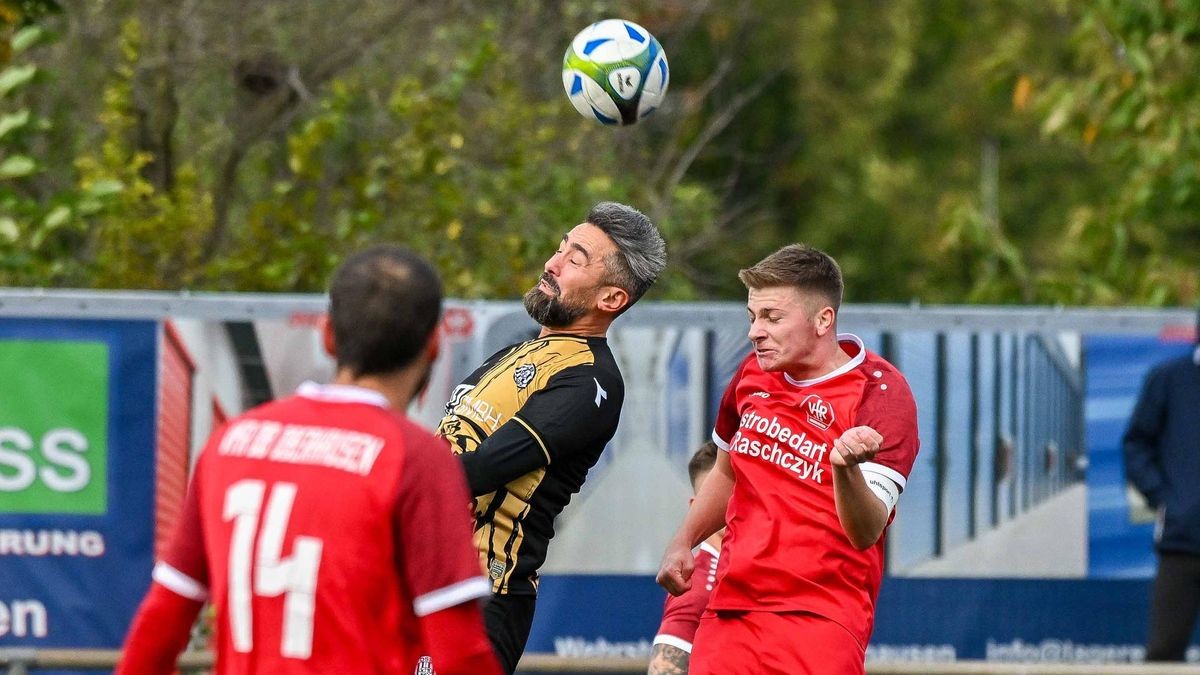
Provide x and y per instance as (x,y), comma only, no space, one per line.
(1162,460)
(818,437)
(681,614)
(329,532)
(531,421)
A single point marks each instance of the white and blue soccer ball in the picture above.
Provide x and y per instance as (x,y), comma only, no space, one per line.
(615,72)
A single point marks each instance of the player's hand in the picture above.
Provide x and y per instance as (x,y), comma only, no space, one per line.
(855,446)
(675,573)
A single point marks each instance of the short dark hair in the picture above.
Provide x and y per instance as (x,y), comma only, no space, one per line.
(641,252)
(799,266)
(702,460)
(384,303)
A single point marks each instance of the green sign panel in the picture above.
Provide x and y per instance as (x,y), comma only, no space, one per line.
(54,427)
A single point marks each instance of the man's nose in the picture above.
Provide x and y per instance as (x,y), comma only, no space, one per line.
(756,333)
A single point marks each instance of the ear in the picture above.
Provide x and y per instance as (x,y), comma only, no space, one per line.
(433,346)
(691,500)
(326,328)
(612,299)
(825,320)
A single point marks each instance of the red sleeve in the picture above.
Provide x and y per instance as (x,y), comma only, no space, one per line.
(159,632)
(681,614)
(457,643)
(435,554)
(888,407)
(728,417)
(184,566)
(681,617)
(163,624)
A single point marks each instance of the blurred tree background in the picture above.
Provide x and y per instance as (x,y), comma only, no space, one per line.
(988,151)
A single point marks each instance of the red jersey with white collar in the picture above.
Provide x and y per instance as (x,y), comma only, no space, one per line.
(321,526)
(681,613)
(784,547)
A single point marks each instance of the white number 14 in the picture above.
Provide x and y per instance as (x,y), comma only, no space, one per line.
(294,577)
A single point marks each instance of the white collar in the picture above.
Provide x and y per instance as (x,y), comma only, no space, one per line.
(342,393)
(846,367)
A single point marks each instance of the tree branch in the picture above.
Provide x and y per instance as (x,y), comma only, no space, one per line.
(716,124)
(253,117)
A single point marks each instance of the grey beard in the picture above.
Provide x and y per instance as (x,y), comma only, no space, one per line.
(550,311)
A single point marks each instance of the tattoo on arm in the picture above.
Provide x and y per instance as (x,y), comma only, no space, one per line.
(668,660)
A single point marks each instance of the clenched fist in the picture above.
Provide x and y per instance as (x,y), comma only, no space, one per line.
(855,446)
(675,573)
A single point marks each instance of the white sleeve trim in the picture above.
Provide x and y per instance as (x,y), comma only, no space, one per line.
(181,584)
(449,596)
(672,641)
(886,472)
(721,443)
(883,487)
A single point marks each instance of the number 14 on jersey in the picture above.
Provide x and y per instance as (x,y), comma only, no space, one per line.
(264,573)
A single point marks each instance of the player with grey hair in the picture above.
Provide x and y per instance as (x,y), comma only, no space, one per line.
(531,421)
(641,254)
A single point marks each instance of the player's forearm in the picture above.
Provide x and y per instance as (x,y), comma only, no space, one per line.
(506,455)
(159,633)
(697,526)
(457,643)
(707,513)
(861,513)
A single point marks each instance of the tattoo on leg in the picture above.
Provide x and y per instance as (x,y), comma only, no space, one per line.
(668,660)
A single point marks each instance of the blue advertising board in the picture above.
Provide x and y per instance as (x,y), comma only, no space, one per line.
(918,620)
(77,443)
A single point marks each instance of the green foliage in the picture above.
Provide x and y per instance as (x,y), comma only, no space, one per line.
(137,235)
(943,150)
(26,216)
(111,228)
(460,163)
(1130,101)
(16,15)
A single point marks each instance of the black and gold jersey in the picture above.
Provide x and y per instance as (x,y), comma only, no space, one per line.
(528,425)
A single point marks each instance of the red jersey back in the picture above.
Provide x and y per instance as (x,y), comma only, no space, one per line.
(322,526)
(784,548)
(681,614)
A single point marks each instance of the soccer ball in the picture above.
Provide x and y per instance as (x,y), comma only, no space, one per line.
(615,72)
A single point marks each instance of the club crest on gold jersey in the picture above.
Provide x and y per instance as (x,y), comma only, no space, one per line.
(523,374)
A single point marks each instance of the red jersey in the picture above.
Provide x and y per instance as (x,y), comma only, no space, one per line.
(784,548)
(322,526)
(681,614)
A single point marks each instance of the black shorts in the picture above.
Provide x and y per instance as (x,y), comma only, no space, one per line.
(508,619)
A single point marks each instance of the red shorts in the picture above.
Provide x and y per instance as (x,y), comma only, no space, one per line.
(789,643)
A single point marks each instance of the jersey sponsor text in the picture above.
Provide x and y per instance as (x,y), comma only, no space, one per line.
(462,403)
(798,454)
